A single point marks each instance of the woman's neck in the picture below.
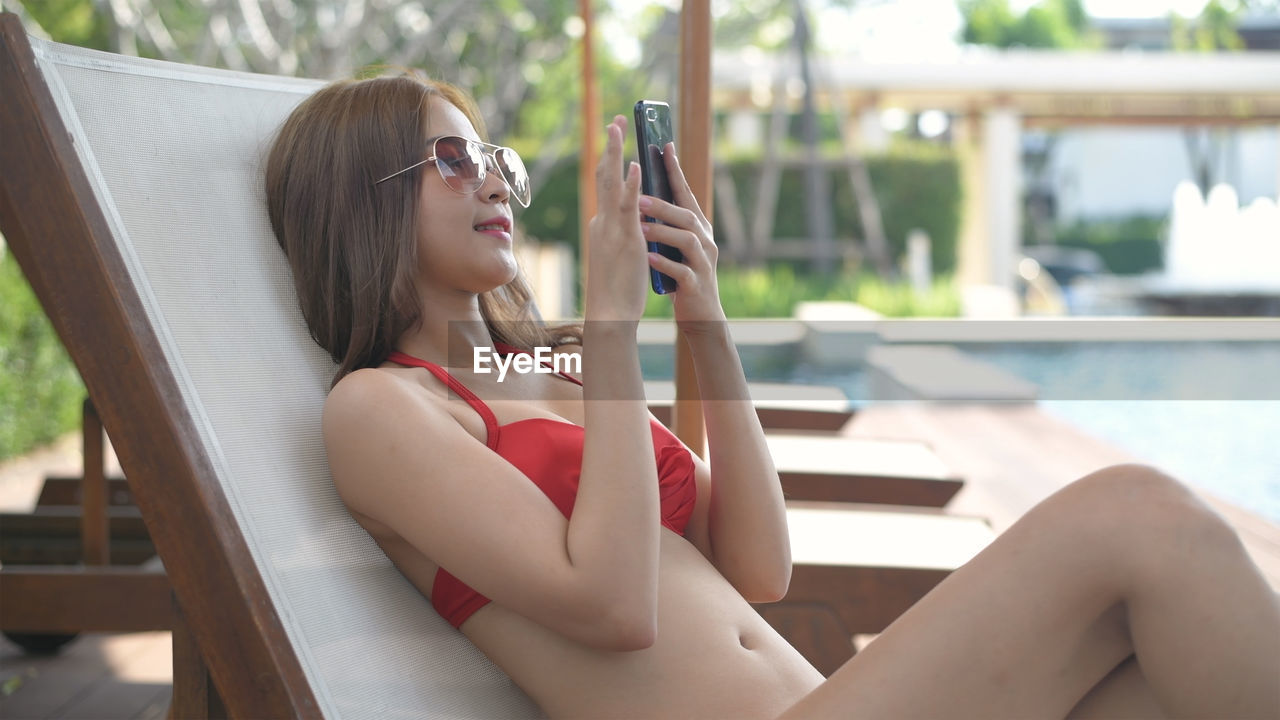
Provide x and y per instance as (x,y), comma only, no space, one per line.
(448,332)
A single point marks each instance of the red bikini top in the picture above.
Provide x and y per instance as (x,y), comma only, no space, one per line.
(549,453)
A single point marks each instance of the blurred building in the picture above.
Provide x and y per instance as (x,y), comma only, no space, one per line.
(1085,134)
(1258,31)
(1128,169)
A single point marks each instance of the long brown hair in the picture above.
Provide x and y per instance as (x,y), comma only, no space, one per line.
(353,249)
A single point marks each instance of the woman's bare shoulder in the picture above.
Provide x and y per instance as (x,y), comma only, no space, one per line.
(371,411)
(369,393)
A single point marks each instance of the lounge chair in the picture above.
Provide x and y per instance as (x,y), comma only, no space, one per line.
(814,408)
(131,199)
(861,470)
(857,568)
(814,463)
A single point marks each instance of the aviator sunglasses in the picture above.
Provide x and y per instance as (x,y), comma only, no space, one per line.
(464,164)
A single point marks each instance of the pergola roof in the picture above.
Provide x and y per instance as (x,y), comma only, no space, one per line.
(1046,86)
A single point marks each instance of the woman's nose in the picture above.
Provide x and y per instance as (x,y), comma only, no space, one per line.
(499,192)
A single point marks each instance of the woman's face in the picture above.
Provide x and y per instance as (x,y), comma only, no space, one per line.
(464,241)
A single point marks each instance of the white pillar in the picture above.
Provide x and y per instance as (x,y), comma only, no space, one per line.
(872,136)
(972,256)
(1002,161)
(919,261)
(1277,195)
(745,128)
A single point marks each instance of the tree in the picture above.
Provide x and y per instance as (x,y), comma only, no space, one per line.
(519,58)
(1047,24)
(780,28)
(500,50)
(987,22)
(74,22)
(1261,7)
(1214,30)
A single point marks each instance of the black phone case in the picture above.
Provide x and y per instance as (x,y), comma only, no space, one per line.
(653,132)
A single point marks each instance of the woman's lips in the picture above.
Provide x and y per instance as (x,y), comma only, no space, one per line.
(498,227)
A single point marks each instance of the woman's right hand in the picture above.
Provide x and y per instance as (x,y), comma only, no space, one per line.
(617,264)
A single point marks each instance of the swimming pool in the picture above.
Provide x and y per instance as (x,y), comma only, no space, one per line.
(1206,412)
(1228,447)
(1156,371)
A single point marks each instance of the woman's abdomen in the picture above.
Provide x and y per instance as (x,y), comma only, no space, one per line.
(714,656)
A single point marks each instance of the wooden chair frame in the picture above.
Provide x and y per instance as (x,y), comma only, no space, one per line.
(56,230)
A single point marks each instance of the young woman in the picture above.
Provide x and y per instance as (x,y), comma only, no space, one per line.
(1120,596)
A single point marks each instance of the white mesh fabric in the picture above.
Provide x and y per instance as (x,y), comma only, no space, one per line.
(175,153)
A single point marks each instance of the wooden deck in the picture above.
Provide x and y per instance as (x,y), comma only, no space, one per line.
(1014,456)
(1011,456)
(96,677)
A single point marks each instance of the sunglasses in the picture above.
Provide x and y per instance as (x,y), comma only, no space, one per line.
(464,164)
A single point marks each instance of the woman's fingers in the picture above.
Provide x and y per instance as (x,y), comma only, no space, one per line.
(631,190)
(681,220)
(689,245)
(614,190)
(617,276)
(608,170)
(675,215)
(680,190)
(678,271)
(684,227)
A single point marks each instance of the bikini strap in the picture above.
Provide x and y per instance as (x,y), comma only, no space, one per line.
(490,420)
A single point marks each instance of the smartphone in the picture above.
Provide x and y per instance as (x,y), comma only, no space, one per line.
(653,132)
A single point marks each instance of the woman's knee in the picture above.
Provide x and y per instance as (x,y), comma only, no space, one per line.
(1132,484)
(1146,505)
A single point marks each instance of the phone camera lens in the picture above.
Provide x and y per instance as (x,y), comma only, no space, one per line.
(651,115)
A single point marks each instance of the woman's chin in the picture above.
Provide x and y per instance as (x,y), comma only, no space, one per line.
(498,278)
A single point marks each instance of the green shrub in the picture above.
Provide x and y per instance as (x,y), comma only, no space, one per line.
(775,291)
(552,215)
(40,391)
(1128,246)
(916,185)
(900,300)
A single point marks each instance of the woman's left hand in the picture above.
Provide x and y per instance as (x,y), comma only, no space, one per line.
(696,299)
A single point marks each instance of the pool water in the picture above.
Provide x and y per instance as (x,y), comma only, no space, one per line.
(1230,448)
(1207,413)
(1140,370)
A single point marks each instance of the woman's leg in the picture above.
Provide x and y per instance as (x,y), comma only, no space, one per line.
(1125,694)
(1123,562)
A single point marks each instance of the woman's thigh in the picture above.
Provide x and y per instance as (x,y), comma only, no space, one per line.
(1025,629)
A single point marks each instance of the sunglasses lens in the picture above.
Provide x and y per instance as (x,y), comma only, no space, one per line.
(513,171)
(461,163)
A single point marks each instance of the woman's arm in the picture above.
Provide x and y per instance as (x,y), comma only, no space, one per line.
(400,457)
(747,519)
(616,536)
(746,522)
(616,518)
